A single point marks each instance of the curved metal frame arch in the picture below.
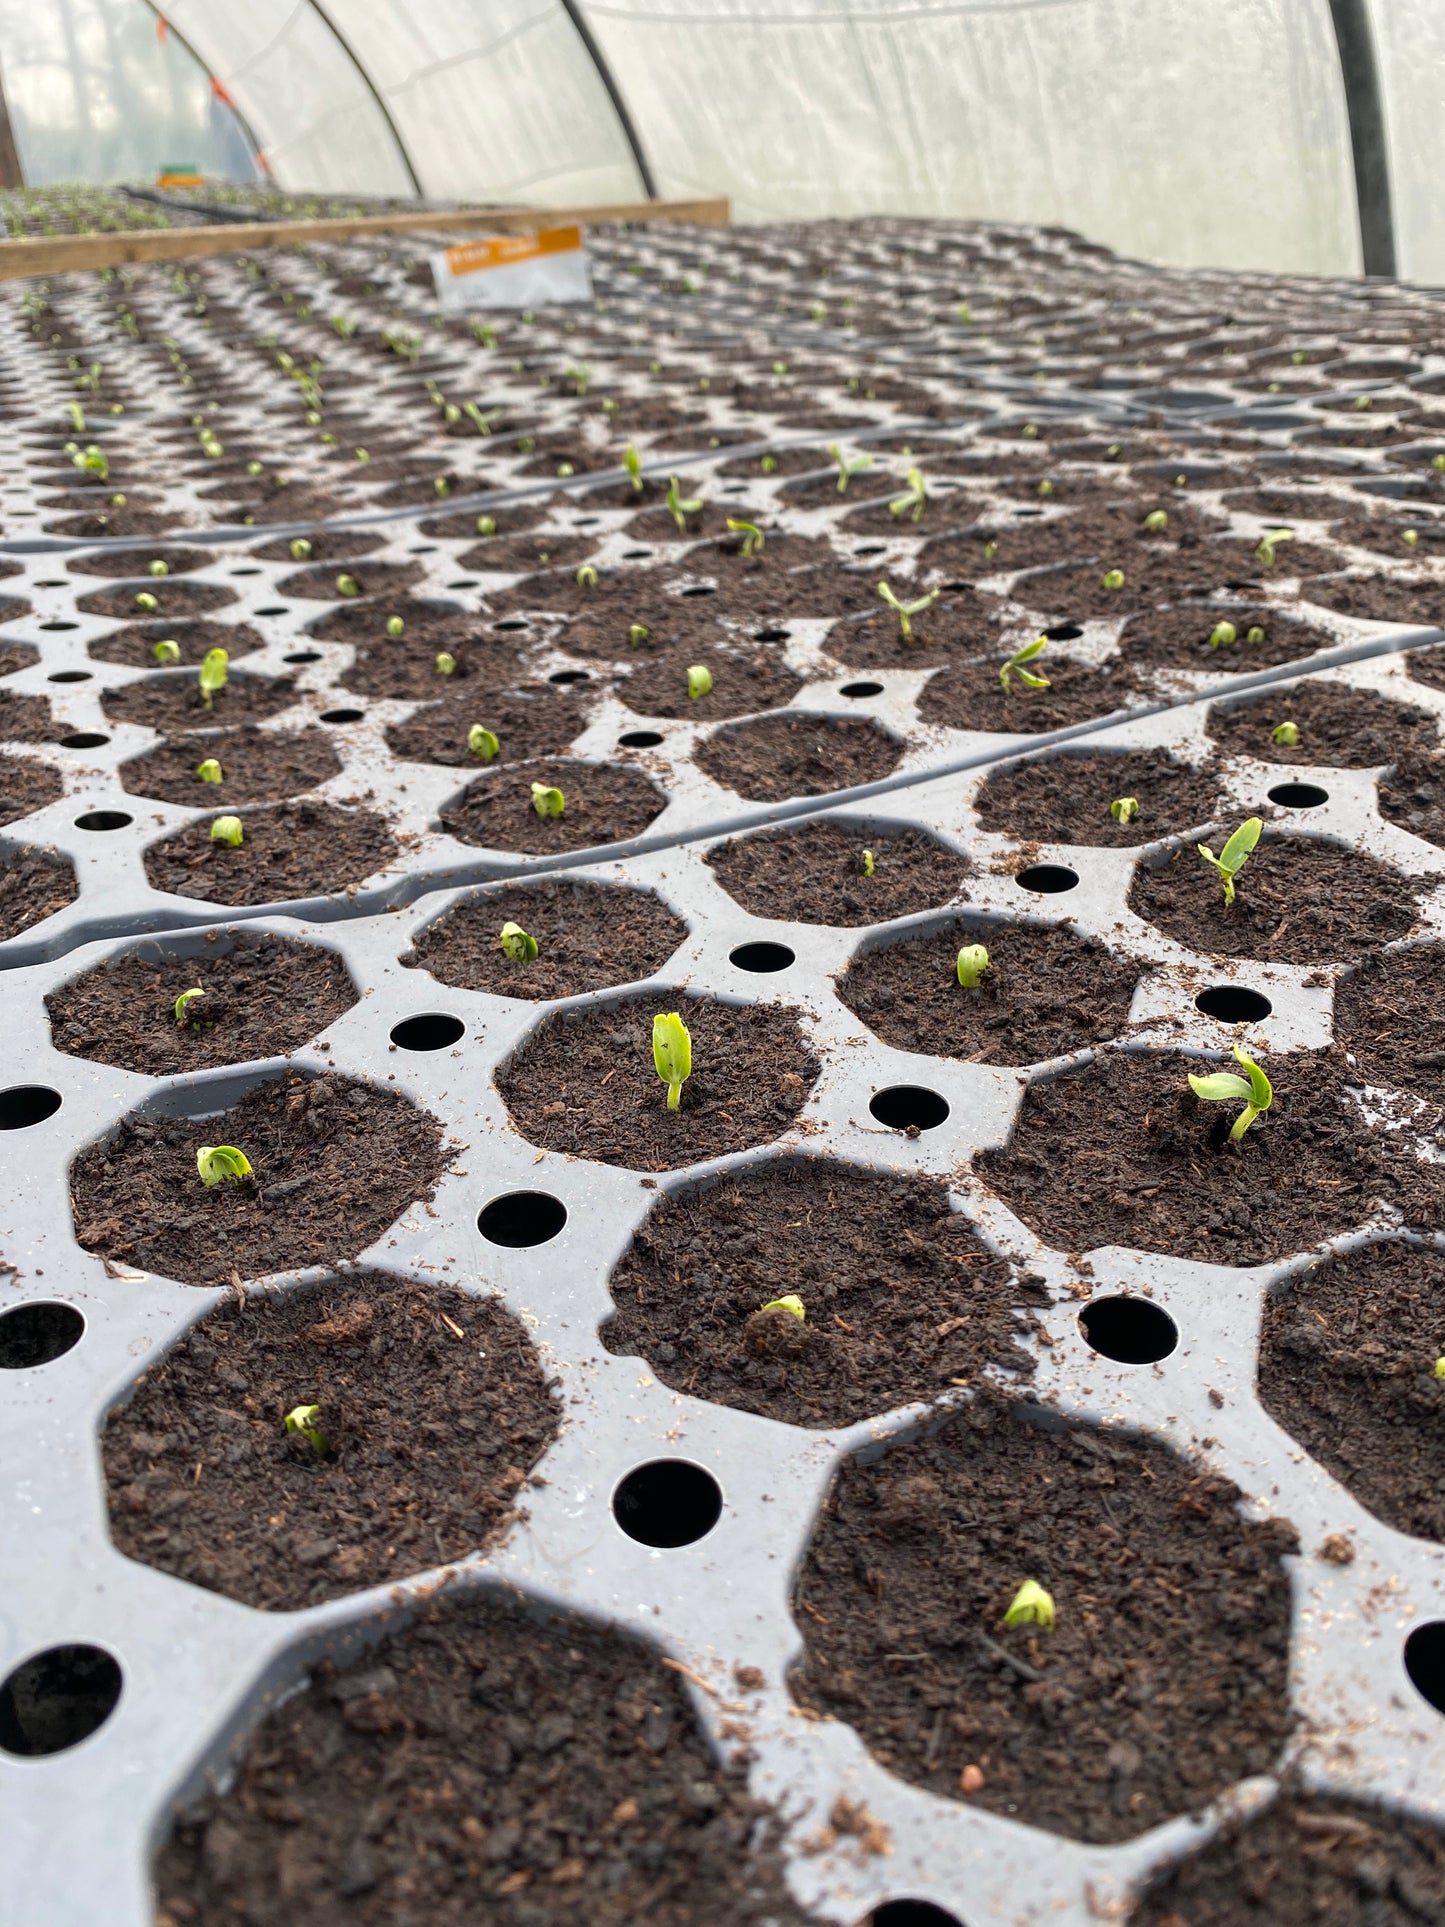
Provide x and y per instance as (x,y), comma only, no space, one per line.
(1365,107)
(573,11)
(171,28)
(370,85)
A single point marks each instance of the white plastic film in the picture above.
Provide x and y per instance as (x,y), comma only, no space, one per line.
(1410,52)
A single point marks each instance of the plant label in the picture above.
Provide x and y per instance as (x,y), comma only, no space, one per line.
(514,270)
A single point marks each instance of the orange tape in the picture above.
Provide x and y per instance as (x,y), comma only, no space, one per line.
(502,250)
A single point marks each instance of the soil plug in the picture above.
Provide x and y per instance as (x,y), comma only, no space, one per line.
(1222,635)
(213,674)
(752,537)
(167,651)
(916,499)
(209,771)
(867,863)
(301,1423)
(183,1004)
(1156,521)
(517,944)
(147,602)
(973,960)
(1255,1089)
(777,1329)
(218,1162)
(1269,542)
(699,682)
(446,663)
(846,469)
(1015,666)
(672,1054)
(1233,857)
(300,550)
(547,801)
(1113,579)
(1124,809)
(638,634)
(1285,734)
(906,610)
(679,509)
(482,743)
(395,628)
(227,829)
(1031,1606)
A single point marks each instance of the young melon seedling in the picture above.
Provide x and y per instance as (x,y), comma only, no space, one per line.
(637,634)
(301,1422)
(791,1302)
(905,611)
(1031,1606)
(158,566)
(300,550)
(867,863)
(1124,809)
(209,771)
(446,663)
(1223,635)
(213,674)
(146,602)
(1440,1368)
(166,651)
(183,1003)
(678,508)
(1156,521)
(1253,1088)
(1269,542)
(1235,854)
(1015,666)
(218,1163)
(1045,488)
(1113,578)
(547,800)
(486,525)
(846,469)
(672,1054)
(395,628)
(228,829)
(1410,536)
(699,682)
(972,962)
(1286,734)
(482,743)
(916,499)
(769,464)
(1254,634)
(587,577)
(632,462)
(517,944)
(347,585)
(752,537)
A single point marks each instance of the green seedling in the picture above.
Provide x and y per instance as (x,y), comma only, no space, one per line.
(517,944)
(579,378)
(1440,1368)
(679,509)
(1015,666)
(480,420)
(990,549)
(846,469)
(228,829)
(482,743)
(637,634)
(486,525)
(146,602)
(395,628)
(213,674)
(973,960)
(699,682)
(1124,809)
(1254,1088)
(446,663)
(867,863)
(548,800)
(183,1003)
(158,566)
(77,416)
(672,1054)
(905,611)
(1437,462)
(769,464)
(209,771)
(300,550)
(360,455)
(218,1162)
(965,313)
(1235,854)
(1113,579)
(1410,537)
(441,486)
(1223,635)
(1362,401)
(1031,1606)
(255,468)
(1156,520)
(347,585)
(587,577)
(790,1303)
(752,537)
(1269,543)
(301,1422)
(1285,734)
(632,462)
(1254,634)
(915,500)
(91,461)
(1046,488)
(167,651)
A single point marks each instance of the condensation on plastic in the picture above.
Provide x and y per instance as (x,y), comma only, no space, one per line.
(1410,51)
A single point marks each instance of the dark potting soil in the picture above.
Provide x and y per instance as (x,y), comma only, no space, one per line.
(814,874)
(1385,534)
(119,564)
(264,996)
(970,696)
(291,850)
(658,525)
(1076,591)
(135,644)
(334,1162)
(1148,1698)
(1281,507)
(1413,795)
(962,623)
(1427,666)
(797,755)
(1180,639)
(127,521)
(1104,530)
(1047,991)
(589,937)
(518,554)
(481,1767)
(1121,1152)
(774,595)
(1379,598)
(433,1405)
(902,1301)
(741,576)
(174,597)
(34,884)
(174,701)
(1327,1862)
(604,803)
(1388,1016)
(1347,1367)
(257,766)
(1338,724)
(527,718)
(17,655)
(586,1086)
(1065,798)
(1297,900)
(742,683)
(26,785)
(28,719)
(322,582)
(405,667)
(461,524)
(327,545)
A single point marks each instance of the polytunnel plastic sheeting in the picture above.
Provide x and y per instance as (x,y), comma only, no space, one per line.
(1410,51)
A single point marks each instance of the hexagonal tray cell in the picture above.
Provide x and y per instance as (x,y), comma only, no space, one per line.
(257,766)
(523,553)
(290,851)
(797,755)
(433,1408)
(817,873)
(120,564)
(604,803)
(1298,899)
(963,623)
(1163,1680)
(1412,794)
(528,719)
(1388,1016)
(972,696)
(322,583)
(173,701)
(742,684)
(262,995)
(900,1299)
(334,1162)
(27,719)
(163,596)
(1066,797)
(26,785)
(1304,1859)
(135,644)
(1182,638)
(552,1767)
(589,936)
(1046,991)
(320,544)
(584,1083)
(1349,728)
(17,655)
(34,884)
(405,666)
(1121,1152)
(1347,1367)
(1418,601)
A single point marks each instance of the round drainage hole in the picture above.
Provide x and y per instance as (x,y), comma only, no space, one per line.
(463,582)
(1066,632)
(909,1107)
(57,1699)
(70,675)
(243,572)
(871,548)
(640,739)
(83,739)
(762,957)
(570,675)
(636,555)
(303,655)
(1129,1330)
(276,609)
(700,588)
(51,627)
(104,820)
(521,1219)
(342,715)
(858,690)
(911,1913)
(1299,796)
(26,1104)
(1425,1662)
(771,634)
(1234,1004)
(667,1502)
(514,622)
(32,1335)
(433,1031)
(1048,879)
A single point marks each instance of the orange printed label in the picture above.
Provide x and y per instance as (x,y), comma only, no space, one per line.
(505,250)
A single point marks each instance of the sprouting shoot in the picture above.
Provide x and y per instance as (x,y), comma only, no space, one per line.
(905,611)
(517,945)
(228,829)
(182,1005)
(302,1422)
(1030,652)
(1254,1089)
(679,508)
(1031,1606)
(699,682)
(482,743)
(915,500)
(846,469)
(1235,854)
(210,771)
(548,800)
(218,1163)
(972,961)
(672,1055)
(213,674)
(752,537)
(1124,809)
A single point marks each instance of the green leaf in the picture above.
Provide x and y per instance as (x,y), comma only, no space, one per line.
(1236,850)
(672,1055)
(548,800)
(517,944)
(184,1002)
(215,1163)
(482,743)
(1220,1085)
(699,681)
